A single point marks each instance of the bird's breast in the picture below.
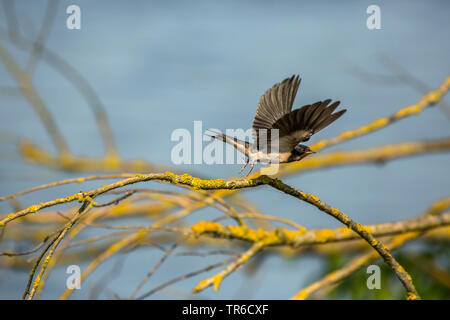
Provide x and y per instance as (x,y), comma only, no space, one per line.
(261,156)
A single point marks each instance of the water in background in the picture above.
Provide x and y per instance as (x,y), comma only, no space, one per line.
(160,65)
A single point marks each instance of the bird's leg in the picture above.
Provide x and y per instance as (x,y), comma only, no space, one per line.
(251,168)
(243,167)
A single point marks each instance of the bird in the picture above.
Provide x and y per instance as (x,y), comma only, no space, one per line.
(274,112)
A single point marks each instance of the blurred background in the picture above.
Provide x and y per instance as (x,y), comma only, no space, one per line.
(160,65)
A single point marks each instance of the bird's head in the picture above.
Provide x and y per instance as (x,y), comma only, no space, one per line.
(300,151)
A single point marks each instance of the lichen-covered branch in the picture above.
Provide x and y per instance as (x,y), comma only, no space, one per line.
(383,251)
(69,162)
(409,233)
(428,100)
(217,279)
(303,237)
(352,266)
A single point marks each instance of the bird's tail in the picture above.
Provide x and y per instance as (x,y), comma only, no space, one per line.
(241,146)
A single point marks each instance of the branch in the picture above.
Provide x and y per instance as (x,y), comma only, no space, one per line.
(401,273)
(380,154)
(298,238)
(352,266)
(237,263)
(109,163)
(428,100)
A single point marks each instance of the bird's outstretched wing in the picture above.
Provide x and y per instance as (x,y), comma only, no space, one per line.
(274,112)
(276,102)
(273,105)
(299,125)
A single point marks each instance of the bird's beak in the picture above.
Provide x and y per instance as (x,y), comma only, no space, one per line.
(310,151)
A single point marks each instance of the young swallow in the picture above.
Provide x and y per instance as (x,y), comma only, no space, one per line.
(274,112)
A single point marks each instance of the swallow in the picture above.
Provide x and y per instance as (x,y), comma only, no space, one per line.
(274,112)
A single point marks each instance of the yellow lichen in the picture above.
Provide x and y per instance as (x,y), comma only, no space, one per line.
(239,231)
(362,228)
(302,295)
(291,234)
(112,162)
(402,270)
(325,235)
(66,160)
(206,184)
(345,231)
(217,279)
(303,194)
(407,111)
(206,226)
(33,208)
(78,196)
(400,239)
(201,285)
(440,205)
(245,257)
(36,281)
(335,211)
(318,146)
(346,135)
(434,96)
(252,234)
(196,183)
(364,129)
(411,296)
(379,123)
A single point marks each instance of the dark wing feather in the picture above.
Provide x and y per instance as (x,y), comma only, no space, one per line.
(273,105)
(276,102)
(299,125)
